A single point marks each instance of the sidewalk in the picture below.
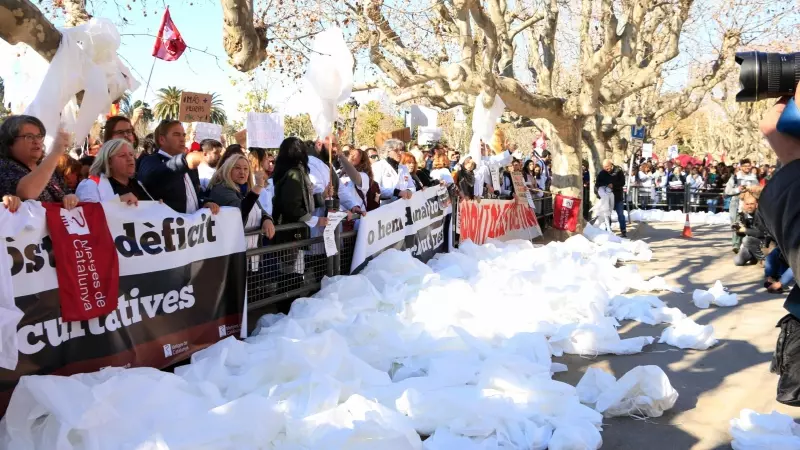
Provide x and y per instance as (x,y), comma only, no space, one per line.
(716,384)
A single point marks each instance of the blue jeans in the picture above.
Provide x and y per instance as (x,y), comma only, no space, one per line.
(775,267)
(712,205)
(619,207)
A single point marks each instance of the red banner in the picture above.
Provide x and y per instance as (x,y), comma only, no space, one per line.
(566,211)
(496,219)
(88,268)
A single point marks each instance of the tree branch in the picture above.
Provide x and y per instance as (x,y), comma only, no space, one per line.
(244,41)
(22,21)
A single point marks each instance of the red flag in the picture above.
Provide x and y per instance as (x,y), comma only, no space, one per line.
(88,268)
(169,44)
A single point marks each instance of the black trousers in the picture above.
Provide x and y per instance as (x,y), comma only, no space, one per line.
(786,361)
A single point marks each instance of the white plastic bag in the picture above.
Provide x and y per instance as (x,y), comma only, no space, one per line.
(328,80)
(593,383)
(86,61)
(717,295)
(686,333)
(774,431)
(579,435)
(643,391)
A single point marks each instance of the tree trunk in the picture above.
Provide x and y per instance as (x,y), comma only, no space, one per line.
(567,173)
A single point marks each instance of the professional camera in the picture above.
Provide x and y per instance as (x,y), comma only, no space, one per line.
(767,75)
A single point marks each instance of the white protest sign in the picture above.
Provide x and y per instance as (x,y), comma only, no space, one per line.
(427,135)
(647,150)
(264,130)
(329,235)
(204,130)
(423,116)
(672,152)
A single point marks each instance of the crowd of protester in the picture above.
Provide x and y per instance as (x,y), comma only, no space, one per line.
(710,187)
(298,183)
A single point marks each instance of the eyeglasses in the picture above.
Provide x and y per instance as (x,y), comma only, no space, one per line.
(374,157)
(31,138)
(128,132)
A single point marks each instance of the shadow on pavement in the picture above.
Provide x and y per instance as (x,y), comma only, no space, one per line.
(691,264)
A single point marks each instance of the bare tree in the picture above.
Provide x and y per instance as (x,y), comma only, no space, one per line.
(245,38)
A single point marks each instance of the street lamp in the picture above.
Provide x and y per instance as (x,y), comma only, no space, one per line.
(353,104)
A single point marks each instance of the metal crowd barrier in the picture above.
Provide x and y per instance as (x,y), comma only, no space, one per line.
(274,274)
(686,199)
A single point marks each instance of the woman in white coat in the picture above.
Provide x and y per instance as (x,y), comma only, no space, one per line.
(113,175)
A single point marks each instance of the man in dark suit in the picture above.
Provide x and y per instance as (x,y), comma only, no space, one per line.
(170,174)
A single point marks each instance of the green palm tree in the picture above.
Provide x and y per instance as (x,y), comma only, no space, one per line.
(125,107)
(218,115)
(168,104)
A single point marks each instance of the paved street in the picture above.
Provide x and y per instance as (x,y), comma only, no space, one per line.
(714,385)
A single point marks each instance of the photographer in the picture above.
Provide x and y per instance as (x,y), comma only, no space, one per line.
(780,211)
(750,229)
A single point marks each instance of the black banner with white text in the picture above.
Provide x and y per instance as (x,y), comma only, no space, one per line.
(181,289)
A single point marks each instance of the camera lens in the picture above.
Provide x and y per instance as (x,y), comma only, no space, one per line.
(767,75)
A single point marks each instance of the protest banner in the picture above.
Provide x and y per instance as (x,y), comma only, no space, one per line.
(428,135)
(420,224)
(203,131)
(181,289)
(264,130)
(566,211)
(194,107)
(496,219)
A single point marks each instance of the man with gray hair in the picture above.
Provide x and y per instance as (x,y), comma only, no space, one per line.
(394,179)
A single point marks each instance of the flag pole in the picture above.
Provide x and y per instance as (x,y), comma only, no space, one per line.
(147,87)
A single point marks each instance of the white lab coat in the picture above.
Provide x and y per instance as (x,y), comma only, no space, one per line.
(389,179)
(483,172)
(348,197)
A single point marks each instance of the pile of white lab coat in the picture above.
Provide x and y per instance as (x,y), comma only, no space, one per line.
(458,350)
(695,218)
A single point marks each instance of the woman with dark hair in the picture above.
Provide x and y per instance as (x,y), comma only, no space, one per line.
(120,127)
(25,171)
(294,200)
(466,179)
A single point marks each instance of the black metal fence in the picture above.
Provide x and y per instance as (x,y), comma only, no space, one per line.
(686,199)
(279,272)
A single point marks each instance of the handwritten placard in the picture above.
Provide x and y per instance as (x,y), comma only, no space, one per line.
(195,107)
(264,130)
(203,131)
(520,190)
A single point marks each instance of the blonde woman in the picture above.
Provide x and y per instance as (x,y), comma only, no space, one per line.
(113,174)
(232,185)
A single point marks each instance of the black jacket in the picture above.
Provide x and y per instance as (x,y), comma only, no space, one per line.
(753,226)
(162,176)
(779,207)
(615,178)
